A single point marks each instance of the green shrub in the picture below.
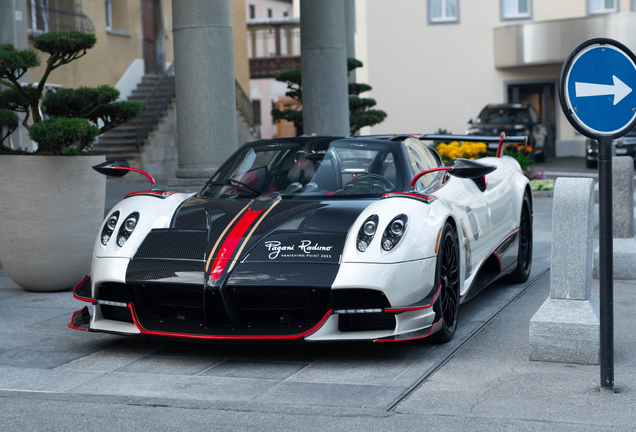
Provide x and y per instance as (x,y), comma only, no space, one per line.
(65,44)
(8,122)
(58,136)
(79,102)
(68,131)
(14,63)
(116,113)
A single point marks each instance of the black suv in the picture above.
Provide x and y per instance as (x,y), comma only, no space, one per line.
(513,119)
(623,146)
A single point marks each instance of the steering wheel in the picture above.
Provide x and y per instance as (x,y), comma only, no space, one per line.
(384,180)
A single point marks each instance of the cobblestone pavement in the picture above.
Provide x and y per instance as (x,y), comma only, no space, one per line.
(52,377)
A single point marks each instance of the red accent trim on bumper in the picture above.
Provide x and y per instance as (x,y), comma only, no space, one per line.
(433,327)
(209,337)
(406,309)
(80,298)
(77,316)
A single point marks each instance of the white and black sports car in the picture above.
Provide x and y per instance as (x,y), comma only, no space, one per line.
(314,238)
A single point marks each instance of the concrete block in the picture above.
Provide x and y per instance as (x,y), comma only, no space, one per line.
(566,331)
(623,197)
(572,229)
(624,259)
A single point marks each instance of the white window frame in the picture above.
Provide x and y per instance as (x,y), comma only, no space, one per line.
(443,19)
(109,14)
(602,9)
(33,29)
(516,15)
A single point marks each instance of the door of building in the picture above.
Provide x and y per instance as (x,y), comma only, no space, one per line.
(542,97)
(149,35)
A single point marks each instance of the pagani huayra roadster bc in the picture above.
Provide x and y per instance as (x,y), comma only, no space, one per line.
(313,238)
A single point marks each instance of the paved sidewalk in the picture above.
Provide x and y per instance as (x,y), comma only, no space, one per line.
(491,380)
(53,378)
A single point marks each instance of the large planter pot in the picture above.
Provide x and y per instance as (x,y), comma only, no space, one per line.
(51,208)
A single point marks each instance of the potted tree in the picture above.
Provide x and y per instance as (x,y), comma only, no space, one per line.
(51,203)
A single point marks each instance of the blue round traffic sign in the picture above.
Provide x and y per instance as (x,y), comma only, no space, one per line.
(599,89)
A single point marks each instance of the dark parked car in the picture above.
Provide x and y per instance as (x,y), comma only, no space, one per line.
(513,119)
(624,146)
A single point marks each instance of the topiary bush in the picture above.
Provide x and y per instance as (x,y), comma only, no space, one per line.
(74,113)
(62,135)
(360,112)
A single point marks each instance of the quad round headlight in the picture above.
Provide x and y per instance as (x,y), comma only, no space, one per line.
(130,224)
(112,222)
(369,228)
(366,232)
(397,227)
(394,232)
(127,228)
(109,227)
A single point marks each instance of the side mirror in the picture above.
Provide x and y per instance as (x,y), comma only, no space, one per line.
(119,168)
(465,168)
(109,168)
(470,121)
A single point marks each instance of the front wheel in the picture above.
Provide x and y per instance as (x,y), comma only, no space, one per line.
(524,255)
(447,275)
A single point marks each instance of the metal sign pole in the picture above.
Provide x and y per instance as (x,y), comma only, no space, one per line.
(606,267)
(597,92)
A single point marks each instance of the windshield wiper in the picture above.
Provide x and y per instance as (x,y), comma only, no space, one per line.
(237,184)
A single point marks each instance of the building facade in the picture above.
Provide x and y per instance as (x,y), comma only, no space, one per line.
(273,46)
(436,63)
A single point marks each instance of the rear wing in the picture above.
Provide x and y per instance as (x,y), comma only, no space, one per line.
(501,139)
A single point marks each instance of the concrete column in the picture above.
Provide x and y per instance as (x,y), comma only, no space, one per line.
(566,327)
(622,220)
(205,92)
(324,67)
(623,197)
(350,23)
(14,31)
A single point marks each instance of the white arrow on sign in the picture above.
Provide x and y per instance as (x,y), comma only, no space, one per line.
(619,89)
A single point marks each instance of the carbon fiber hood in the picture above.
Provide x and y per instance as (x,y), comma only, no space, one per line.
(263,241)
(315,216)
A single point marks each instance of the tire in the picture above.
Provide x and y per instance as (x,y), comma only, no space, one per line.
(591,163)
(524,255)
(447,273)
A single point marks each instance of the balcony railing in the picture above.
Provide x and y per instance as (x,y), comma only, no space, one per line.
(550,42)
(273,46)
(46,16)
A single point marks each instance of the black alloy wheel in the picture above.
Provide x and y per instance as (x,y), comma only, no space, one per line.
(447,305)
(524,256)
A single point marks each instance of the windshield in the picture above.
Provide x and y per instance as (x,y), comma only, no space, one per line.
(309,167)
(504,116)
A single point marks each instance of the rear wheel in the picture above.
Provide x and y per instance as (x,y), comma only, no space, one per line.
(447,275)
(524,256)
